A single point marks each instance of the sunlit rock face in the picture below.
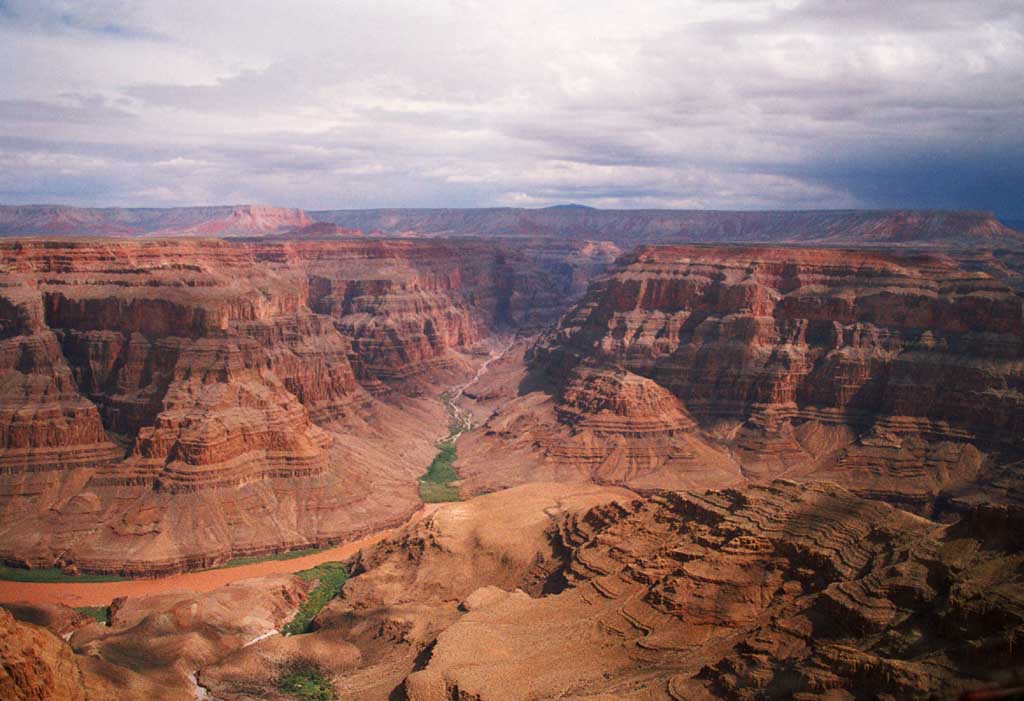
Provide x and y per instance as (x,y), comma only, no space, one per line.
(168,403)
(898,375)
(778,590)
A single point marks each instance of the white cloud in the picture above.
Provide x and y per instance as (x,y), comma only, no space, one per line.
(327,104)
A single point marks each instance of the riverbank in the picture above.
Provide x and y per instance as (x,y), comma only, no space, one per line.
(76,594)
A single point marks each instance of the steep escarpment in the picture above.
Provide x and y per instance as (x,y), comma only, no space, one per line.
(404,304)
(779,590)
(170,403)
(898,375)
(572,263)
(43,417)
(405,592)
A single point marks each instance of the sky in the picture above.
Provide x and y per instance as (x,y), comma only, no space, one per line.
(724,104)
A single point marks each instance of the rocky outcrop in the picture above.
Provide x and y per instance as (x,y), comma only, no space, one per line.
(152,647)
(778,590)
(138,373)
(44,420)
(888,373)
(406,304)
(320,230)
(571,263)
(774,591)
(36,665)
(405,592)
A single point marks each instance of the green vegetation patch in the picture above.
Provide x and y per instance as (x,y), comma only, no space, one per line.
(435,485)
(290,555)
(307,681)
(330,578)
(100,613)
(53,574)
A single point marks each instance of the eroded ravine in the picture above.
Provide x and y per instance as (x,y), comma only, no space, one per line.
(460,420)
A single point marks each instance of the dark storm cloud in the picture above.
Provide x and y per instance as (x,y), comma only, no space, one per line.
(726,104)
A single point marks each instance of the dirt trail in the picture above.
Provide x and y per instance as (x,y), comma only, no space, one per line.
(102,593)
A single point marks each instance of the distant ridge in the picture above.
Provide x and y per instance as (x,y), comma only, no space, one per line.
(630,227)
(216,221)
(624,227)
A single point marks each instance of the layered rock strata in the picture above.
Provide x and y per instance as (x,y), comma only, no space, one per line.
(138,373)
(224,220)
(546,591)
(901,376)
(803,592)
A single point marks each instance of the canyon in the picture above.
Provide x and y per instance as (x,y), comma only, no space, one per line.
(897,375)
(169,405)
(776,590)
(701,455)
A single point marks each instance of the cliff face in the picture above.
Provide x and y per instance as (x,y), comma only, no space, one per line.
(144,382)
(404,303)
(898,375)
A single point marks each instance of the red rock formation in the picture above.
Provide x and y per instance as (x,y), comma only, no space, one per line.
(320,230)
(405,303)
(153,646)
(898,375)
(137,373)
(777,591)
(772,591)
(623,227)
(35,665)
(43,418)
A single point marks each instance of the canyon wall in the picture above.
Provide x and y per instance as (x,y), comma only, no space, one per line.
(168,404)
(899,375)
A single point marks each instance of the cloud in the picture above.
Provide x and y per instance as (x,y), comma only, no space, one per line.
(319,104)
